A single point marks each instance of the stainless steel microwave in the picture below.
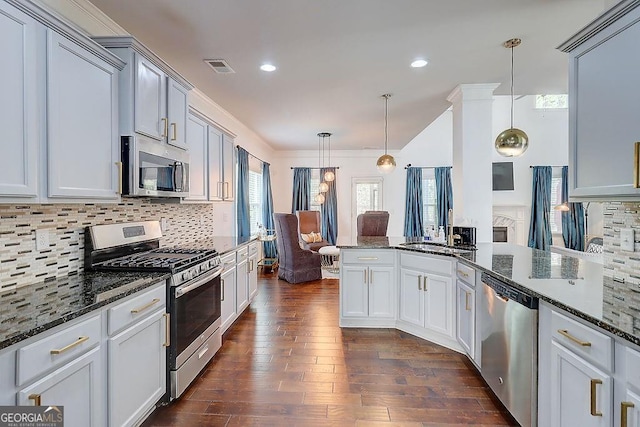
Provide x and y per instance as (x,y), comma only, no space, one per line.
(153,169)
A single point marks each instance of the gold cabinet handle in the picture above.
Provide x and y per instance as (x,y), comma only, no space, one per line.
(146,306)
(565,333)
(462,273)
(367,258)
(366,275)
(77,342)
(165,127)
(424,283)
(37,399)
(174,135)
(623,413)
(636,167)
(226,190)
(594,410)
(466,301)
(119,165)
(222,291)
(370,277)
(419,282)
(167,330)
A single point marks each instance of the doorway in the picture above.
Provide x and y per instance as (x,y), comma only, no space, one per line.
(366,195)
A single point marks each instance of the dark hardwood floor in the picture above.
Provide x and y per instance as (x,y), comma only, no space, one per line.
(285,362)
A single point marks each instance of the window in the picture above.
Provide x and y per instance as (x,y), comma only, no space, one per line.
(313,189)
(555,218)
(366,195)
(255,201)
(429,201)
(548,102)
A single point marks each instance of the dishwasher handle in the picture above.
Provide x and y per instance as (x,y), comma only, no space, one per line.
(510,292)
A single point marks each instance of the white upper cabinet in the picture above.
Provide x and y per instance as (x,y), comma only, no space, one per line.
(159,95)
(197,137)
(82,94)
(604,86)
(21,38)
(221,165)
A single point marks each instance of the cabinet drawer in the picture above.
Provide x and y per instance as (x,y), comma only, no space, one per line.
(368,257)
(242,254)
(228,260)
(253,248)
(466,274)
(632,364)
(427,263)
(57,349)
(136,308)
(583,340)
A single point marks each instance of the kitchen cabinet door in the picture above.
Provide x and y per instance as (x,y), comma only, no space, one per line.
(581,394)
(77,386)
(466,318)
(228,283)
(242,282)
(354,297)
(604,87)
(253,276)
(197,140)
(381,292)
(22,44)
(630,410)
(150,100)
(216,184)
(411,298)
(82,134)
(177,108)
(439,304)
(228,168)
(137,369)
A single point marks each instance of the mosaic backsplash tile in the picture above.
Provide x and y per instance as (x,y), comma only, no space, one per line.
(21,264)
(622,266)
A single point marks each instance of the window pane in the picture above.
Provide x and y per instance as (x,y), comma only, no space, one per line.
(314,184)
(429,207)
(552,101)
(555,216)
(255,201)
(367,197)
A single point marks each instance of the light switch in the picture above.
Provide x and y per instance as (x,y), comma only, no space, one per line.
(627,239)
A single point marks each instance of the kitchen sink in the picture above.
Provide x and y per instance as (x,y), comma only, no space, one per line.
(432,247)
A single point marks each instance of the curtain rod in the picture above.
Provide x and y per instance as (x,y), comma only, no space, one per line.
(553,166)
(326,167)
(426,167)
(255,157)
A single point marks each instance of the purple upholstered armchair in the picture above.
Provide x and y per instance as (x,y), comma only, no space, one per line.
(296,264)
(373,223)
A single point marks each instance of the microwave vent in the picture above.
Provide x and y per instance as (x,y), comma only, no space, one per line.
(220,66)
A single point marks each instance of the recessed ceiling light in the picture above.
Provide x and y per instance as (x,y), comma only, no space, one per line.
(418,63)
(267,67)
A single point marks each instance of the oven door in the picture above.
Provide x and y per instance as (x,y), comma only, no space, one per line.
(196,306)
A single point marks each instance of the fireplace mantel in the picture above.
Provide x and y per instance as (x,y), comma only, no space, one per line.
(513,218)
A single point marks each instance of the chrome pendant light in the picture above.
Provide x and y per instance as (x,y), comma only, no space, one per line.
(319,198)
(512,142)
(329,175)
(386,163)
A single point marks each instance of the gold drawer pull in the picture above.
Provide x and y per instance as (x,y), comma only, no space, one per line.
(167,330)
(165,127)
(144,307)
(175,131)
(566,333)
(623,413)
(594,410)
(37,399)
(367,258)
(79,341)
(636,166)
(462,273)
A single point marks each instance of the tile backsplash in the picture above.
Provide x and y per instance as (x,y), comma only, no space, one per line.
(21,264)
(619,264)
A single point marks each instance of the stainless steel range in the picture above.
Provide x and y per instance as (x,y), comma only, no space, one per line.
(193,291)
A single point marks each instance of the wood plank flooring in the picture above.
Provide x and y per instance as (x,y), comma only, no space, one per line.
(285,362)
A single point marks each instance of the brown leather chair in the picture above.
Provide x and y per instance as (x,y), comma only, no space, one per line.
(309,222)
(373,223)
(296,264)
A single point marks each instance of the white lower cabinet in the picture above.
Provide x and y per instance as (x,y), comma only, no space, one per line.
(77,386)
(242,281)
(367,287)
(228,291)
(137,369)
(466,318)
(252,279)
(630,409)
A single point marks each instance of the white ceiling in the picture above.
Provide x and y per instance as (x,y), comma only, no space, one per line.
(335,58)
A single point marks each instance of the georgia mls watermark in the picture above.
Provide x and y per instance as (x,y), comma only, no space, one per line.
(31,416)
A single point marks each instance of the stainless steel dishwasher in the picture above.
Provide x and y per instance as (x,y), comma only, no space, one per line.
(508,328)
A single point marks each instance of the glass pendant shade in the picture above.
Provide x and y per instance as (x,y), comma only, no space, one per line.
(319,198)
(329,176)
(386,164)
(512,142)
(323,187)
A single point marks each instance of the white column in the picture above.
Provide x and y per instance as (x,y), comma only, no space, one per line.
(473,145)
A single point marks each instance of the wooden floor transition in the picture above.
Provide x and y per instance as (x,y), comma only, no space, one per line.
(286,362)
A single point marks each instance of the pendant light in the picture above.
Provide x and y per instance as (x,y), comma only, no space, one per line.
(328,175)
(512,142)
(386,163)
(323,187)
(319,198)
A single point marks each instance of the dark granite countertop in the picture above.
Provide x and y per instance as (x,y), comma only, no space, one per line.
(572,284)
(30,310)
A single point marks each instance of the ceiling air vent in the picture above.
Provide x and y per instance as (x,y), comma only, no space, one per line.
(220,66)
